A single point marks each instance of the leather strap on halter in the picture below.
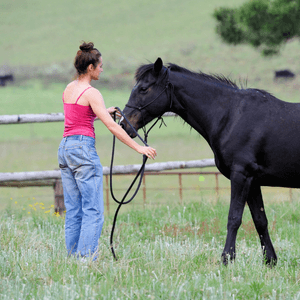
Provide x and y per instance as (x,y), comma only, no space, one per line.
(168,84)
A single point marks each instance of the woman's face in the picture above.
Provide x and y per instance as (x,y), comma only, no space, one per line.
(98,70)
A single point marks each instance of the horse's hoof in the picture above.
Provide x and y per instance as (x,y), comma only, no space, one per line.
(226,257)
(270,262)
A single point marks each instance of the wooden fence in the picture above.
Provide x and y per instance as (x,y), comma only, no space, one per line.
(53,178)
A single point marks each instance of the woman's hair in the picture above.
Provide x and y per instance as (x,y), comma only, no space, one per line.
(85,56)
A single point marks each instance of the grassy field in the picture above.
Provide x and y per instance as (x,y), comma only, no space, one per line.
(40,40)
(164,253)
(166,250)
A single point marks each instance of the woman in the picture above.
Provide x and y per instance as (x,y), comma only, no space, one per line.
(81,170)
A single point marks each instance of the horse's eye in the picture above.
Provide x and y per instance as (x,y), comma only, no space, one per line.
(143,90)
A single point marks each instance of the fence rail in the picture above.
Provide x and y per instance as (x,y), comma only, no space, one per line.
(41,118)
(53,178)
(32,118)
(179,186)
(55,174)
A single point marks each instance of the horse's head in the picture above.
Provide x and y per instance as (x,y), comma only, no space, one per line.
(149,97)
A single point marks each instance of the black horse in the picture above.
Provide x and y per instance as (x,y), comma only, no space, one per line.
(253,135)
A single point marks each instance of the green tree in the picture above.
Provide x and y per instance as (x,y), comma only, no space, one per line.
(264,24)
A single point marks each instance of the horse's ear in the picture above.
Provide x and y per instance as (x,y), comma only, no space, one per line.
(158,65)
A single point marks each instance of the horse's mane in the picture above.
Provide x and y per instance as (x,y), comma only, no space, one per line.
(219,79)
(142,70)
(212,77)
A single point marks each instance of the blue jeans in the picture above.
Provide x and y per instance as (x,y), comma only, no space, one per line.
(81,173)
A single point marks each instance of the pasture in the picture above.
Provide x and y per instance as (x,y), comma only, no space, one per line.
(129,34)
(166,251)
(171,252)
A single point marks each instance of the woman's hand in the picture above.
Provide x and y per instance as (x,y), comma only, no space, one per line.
(148,151)
(112,110)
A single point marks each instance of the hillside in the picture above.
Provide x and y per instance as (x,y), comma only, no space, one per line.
(40,38)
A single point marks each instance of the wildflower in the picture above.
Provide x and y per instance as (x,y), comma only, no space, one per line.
(16,202)
(29,212)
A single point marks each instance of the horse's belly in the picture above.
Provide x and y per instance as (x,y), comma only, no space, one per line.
(285,177)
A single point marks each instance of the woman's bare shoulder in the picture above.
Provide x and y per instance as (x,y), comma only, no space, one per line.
(93,92)
(72,84)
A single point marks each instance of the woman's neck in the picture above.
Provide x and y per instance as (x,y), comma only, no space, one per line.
(84,79)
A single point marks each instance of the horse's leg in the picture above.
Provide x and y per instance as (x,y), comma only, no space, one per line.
(256,205)
(240,187)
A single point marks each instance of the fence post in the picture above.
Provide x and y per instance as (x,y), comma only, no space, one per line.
(217,184)
(59,204)
(180,187)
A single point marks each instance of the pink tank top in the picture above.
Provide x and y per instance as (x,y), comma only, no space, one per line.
(79,119)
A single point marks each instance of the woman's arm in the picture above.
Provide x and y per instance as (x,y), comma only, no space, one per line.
(97,104)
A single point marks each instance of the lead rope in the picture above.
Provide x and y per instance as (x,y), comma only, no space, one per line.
(140,173)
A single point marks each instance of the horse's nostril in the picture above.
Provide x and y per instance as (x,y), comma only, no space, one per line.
(122,125)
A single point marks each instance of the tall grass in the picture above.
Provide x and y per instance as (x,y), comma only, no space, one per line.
(164,253)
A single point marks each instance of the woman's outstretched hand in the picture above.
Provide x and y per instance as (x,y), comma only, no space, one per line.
(148,151)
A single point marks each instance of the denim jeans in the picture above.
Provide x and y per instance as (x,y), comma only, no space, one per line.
(82,179)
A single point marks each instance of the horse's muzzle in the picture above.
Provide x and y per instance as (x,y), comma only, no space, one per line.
(128,129)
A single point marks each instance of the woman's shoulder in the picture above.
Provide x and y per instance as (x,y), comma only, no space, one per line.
(90,91)
(84,94)
(69,87)
(72,85)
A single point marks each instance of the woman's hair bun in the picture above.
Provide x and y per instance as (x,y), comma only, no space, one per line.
(86,47)
(85,56)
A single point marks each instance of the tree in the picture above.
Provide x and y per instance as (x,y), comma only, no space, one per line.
(264,24)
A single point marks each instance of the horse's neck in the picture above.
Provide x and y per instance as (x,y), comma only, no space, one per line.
(201,107)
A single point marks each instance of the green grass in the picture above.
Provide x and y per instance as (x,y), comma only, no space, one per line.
(44,33)
(128,34)
(167,253)
(40,40)
(164,253)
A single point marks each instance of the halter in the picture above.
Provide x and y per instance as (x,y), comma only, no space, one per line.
(169,95)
